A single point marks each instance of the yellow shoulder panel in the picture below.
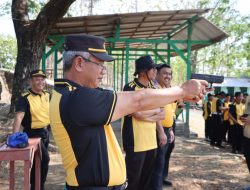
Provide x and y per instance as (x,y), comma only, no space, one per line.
(25,93)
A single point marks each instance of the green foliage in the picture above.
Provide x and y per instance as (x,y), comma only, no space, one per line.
(179,69)
(8,52)
(5,8)
(34,7)
(230,57)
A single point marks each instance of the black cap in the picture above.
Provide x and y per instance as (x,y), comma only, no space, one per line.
(144,63)
(92,44)
(36,73)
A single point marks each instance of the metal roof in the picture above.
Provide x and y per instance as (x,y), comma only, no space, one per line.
(234,82)
(143,25)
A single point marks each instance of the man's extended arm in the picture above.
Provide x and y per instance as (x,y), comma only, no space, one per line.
(146,99)
(17,122)
(150,115)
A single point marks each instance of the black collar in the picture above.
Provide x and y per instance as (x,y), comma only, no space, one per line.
(66,83)
(34,93)
(136,81)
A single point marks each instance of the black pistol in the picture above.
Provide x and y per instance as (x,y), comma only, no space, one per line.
(209,78)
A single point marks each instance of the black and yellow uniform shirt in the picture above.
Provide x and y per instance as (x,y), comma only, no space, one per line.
(36,108)
(207,109)
(225,112)
(80,118)
(169,113)
(215,107)
(137,135)
(236,110)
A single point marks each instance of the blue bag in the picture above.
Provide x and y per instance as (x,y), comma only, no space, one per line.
(18,140)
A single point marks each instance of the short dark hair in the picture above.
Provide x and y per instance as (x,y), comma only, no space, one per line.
(228,95)
(245,94)
(162,65)
(222,93)
(209,95)
(237,94)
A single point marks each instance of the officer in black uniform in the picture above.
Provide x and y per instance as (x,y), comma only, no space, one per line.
(81,112)
(32,112)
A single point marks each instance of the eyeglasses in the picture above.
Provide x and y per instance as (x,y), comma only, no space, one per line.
(99,64)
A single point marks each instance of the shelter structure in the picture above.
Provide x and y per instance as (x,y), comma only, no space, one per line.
(232,85)
(161,34)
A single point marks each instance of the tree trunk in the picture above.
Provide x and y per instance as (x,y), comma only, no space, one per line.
(194,61)
(31,38)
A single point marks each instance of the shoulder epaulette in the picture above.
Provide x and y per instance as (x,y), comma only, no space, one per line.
(25,94)
(46,92)
(131,84)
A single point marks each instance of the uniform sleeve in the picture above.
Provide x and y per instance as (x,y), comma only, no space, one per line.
(218,104)
(22,104)
(208,108)
(127,87)
(90,107)
(232,110)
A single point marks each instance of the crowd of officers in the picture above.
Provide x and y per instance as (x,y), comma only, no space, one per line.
(79,113)
(223,123)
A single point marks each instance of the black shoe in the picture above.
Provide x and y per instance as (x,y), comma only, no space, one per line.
(167,183)
(220,146)
(212,143)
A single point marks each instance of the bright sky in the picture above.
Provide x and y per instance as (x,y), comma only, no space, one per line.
(7,26)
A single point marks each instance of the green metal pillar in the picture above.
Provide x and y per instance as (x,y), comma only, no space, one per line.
(126,64)
(189,51)
(169,50)
(44,59)
(156,57)
(55,64)
(117,71)
(114,74)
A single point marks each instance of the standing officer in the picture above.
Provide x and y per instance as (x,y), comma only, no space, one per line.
(207,115)
(246,135)
(217,128)
(227,132)
(164,77)
(81,113)
(236,110)
(32,112)
(139,130)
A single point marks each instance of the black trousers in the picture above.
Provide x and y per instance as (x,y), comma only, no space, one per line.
(168,153)
(226,133)
(237,135)
(246,145)
(44,135)
(208,127)
(216,129)
(139,167)
(159,166)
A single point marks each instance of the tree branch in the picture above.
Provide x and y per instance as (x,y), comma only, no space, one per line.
(20,17)
(50,14)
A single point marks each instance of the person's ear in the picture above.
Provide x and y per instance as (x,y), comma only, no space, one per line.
(78,64)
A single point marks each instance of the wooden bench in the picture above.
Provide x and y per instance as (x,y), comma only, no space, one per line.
(30,155)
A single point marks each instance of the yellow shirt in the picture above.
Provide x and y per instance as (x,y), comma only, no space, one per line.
(169,115)
(206,110)
(213,106)
(240,108)
(225,113)
(137,135)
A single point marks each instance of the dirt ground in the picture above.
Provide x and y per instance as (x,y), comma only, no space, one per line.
(194,165)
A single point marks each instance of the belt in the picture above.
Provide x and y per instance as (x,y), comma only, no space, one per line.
(216,113)
(117,187)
